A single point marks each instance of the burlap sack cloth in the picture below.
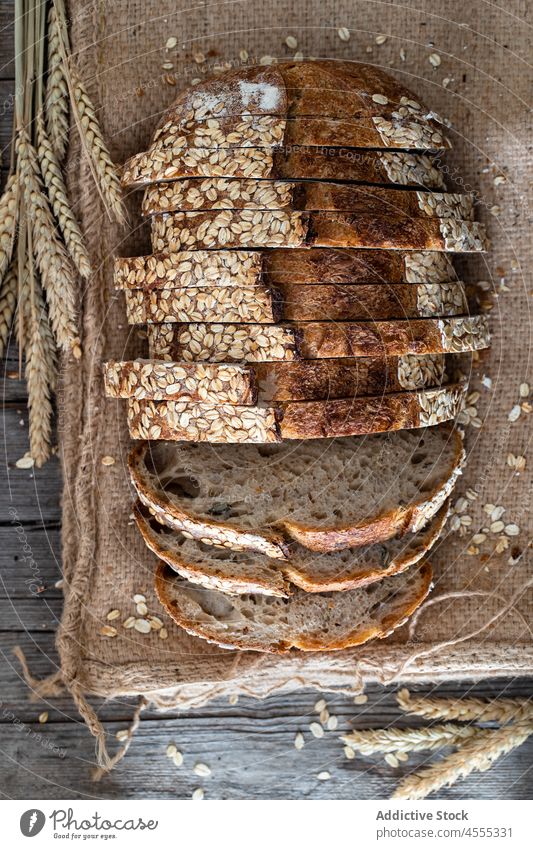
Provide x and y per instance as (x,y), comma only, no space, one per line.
(120,49)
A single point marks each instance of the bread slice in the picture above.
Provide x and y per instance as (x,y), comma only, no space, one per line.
(326,495)
(238,572)
(249,228)
(292,302)
(160,165)
(318,266)
(186,421)
(316,340)
(221,193)
(301,380)
(305,621)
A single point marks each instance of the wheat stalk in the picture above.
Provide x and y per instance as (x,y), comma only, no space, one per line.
(8,223)
(8,303)
(57,193)
(394,740)
(105,173)
(40,369)
(57,98)
(477,754)
(53,261)
(466,710)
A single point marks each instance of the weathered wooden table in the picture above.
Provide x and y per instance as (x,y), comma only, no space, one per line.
(249,746)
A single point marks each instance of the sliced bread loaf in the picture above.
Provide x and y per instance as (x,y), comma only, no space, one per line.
(249,228)
(305,621)
(221,193)
(326,495)
(162,164)
(186,421)
(316,340)
(301,380)
(272,267)
(292,302)
(237,572)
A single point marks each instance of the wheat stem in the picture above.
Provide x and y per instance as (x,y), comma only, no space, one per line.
(57,98)
(467,710)
(8,304)
(57,193)
(8,223)
(53,261)
(106,175)
(369,742)
(477,754)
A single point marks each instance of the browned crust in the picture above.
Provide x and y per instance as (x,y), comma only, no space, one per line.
(165,577)
(273,541)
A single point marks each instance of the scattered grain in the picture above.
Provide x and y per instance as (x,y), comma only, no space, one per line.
(43,717)
(434,59)
(316,730)
(299,741)
(113,614)
(343,33)
(324,776)
(361,699)
(198,794)
(142,626)
(202,770)
(332,723)
(171,43)
(291,42)
(26,462)
(108,461)
(392,760)
(381,39)
(108,631)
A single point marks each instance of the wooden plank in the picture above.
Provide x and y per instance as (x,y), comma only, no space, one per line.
(248,758)
(35,613)
(7,30)
(28,495)
(30,561)
(7,102)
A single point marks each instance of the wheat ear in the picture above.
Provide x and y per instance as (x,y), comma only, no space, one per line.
(8,304)
(477,754)
(394,740)
(53,261)
(40,372)
(57,194)
(8,223)
(467,710)
(57,99)
(106,175)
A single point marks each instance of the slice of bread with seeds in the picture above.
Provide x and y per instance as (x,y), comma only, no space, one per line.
(314,380)
(304,621)
(316,339)
(221,193)
(238,572)
(292,302)
(271,267)
(251,228)
(324,494)
(186,421)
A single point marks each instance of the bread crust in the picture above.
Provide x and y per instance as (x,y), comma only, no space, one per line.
(215,422)
(273,541)
(224,229)
(316,340)
(167,590)
(300,266)
(276,577)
